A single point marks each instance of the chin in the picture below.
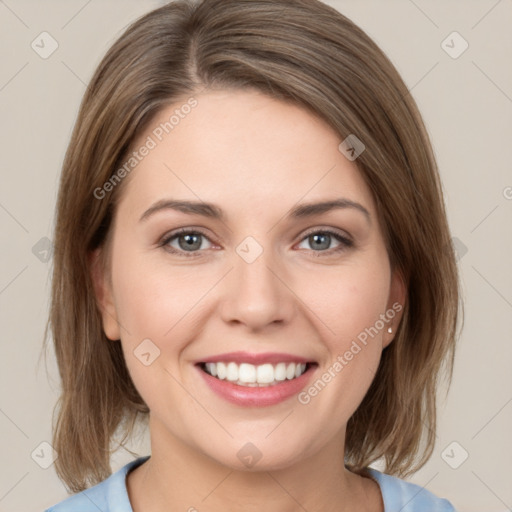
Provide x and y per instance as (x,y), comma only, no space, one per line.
(255,457)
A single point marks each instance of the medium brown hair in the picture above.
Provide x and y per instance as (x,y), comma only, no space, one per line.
(295,50)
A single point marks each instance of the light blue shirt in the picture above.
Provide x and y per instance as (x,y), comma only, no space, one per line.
(111,495)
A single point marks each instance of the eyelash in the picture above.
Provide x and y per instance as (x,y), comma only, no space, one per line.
(345,243)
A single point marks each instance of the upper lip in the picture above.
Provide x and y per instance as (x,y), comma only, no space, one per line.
(256,359)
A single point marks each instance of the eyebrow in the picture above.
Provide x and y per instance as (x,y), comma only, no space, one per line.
(212,211)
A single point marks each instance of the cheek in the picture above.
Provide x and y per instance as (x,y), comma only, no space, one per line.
(349,317)
(348,300)
(161,303)
(348,303)
(152,297)
(154,304)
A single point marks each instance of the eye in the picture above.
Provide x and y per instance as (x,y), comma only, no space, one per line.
(184,241)
(188,242)
(321,240)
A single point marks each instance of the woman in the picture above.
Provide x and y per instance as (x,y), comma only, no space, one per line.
(252,254)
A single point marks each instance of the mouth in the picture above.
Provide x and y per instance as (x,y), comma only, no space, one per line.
(256,380)
(251,375)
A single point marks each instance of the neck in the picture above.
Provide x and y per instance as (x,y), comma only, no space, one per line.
(178,477)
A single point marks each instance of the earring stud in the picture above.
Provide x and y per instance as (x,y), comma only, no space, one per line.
(390,330)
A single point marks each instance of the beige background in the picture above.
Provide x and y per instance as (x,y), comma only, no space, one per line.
(467,105)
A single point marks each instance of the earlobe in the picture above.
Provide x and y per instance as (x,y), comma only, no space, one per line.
(396,304)
(104,296)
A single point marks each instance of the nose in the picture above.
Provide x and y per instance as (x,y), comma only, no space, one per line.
(256,294)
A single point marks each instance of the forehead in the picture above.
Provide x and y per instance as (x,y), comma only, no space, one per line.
(243,149)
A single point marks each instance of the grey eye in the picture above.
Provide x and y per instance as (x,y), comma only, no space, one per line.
(190,241)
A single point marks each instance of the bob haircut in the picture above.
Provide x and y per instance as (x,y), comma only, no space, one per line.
(299,51)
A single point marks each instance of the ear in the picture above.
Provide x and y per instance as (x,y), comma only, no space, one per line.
(396,304)
(104,296)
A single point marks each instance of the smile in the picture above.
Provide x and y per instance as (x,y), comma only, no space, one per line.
(246,374)
(255,380)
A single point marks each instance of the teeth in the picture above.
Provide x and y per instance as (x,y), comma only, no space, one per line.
(280,371)
(265,374)
(247,374)
(232,372)
(212,369)
(221,371)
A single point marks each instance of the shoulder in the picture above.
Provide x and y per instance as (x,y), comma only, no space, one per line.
(110,495)
(400,495)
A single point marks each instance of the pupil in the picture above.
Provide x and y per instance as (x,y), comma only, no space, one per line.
(190,240)
(325,237)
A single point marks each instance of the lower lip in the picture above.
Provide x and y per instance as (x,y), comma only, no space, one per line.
(257,396)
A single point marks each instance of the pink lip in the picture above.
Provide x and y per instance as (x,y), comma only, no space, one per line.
(256,396)
(256,359)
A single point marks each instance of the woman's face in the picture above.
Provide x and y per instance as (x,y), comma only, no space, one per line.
(261,279)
